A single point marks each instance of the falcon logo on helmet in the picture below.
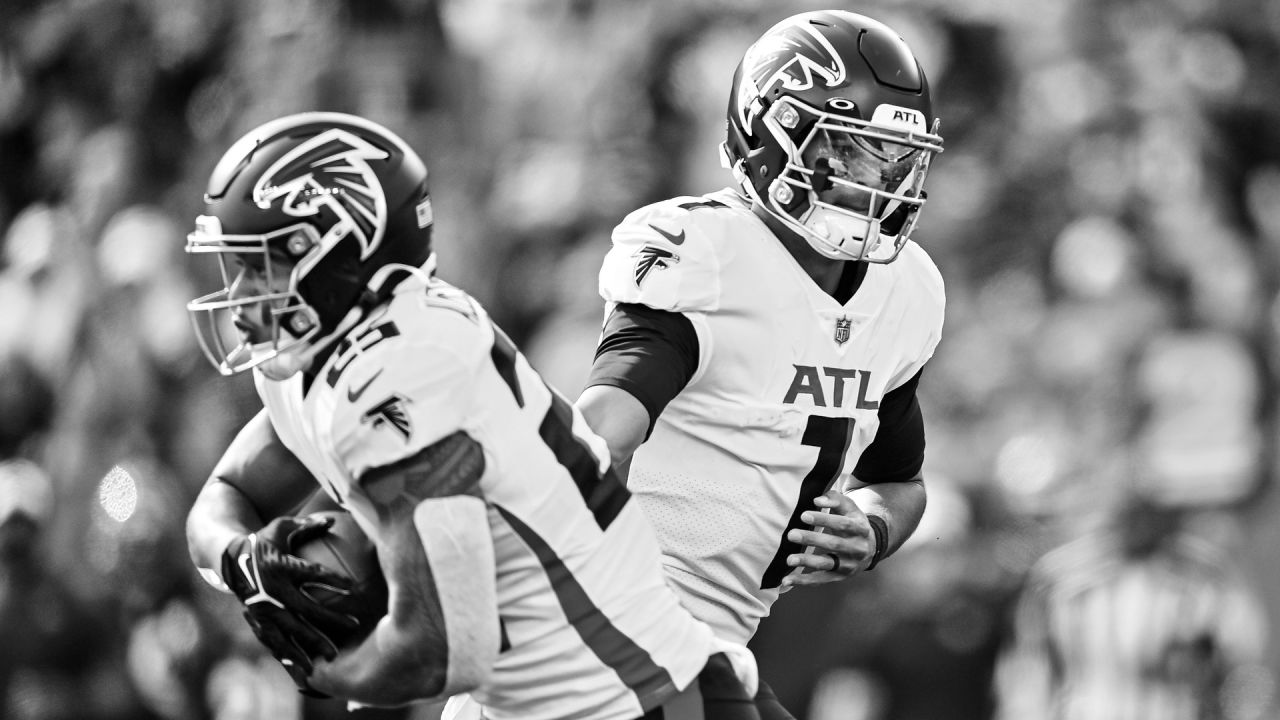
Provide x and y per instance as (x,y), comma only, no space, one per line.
(812,57)
(831,132)
(316,207)
(330,172)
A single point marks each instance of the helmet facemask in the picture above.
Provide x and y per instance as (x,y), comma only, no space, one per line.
(304,213)
(852,188)
(273,328)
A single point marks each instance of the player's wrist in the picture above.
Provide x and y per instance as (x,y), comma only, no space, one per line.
(212,566)
(233,572)
(880,532)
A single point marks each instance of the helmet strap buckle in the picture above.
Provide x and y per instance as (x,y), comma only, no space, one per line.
(300,323)
(298,244)
(782,192)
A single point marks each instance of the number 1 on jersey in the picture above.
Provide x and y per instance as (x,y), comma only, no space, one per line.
(832,437)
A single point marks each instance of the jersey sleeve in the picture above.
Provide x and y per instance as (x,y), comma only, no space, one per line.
(896,454)
(406,395)
(651,354)
(664,257)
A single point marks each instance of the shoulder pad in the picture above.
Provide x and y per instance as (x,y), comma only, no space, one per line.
(401,394)
(919,296)
(924,272)
(436,318)
(667,256)
(922,275)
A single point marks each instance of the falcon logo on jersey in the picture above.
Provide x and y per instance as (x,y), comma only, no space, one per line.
(329,176)
(391,413)
(795,57)
(843,326)
(651,257)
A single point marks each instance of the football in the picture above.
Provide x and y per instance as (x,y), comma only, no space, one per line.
(345,549)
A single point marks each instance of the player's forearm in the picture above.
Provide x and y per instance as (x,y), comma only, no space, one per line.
(900,505)
(440,635)
(618,418)
(220,514)
(391,667)
(404,658)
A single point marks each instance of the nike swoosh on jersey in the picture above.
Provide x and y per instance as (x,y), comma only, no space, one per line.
(353,394)
(675,239)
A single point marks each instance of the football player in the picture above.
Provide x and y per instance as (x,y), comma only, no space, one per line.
(763,344)
(1143,617)
(518,568)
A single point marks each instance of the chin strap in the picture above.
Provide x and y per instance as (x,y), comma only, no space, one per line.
(294,360)
(384,282)
(379,290)
(821,179)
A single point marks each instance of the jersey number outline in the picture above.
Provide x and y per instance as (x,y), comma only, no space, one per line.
(711,204)
(831,435)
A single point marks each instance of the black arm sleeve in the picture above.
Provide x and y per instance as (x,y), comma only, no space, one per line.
(650,353)
(897,452)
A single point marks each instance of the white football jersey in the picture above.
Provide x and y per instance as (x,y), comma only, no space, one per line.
(783,402)
(590,628)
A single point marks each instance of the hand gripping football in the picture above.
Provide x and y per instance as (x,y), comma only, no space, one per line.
(345,549)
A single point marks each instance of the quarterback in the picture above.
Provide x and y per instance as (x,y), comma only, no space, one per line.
(756,377)
(517,567)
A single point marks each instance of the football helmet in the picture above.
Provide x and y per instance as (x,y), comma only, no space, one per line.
(307,215)
(831,131)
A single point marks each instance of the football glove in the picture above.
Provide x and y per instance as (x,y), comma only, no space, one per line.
(272,585)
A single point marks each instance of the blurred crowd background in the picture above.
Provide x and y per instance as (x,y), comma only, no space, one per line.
(1106,216)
